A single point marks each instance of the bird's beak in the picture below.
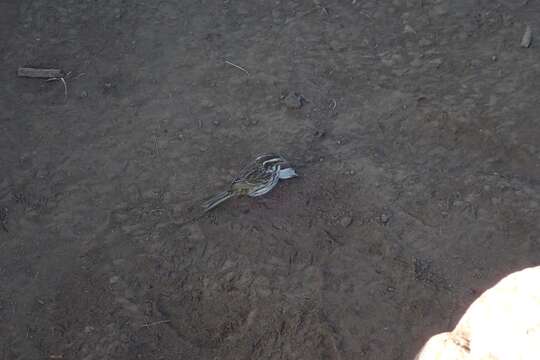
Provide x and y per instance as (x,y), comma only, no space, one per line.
(287,173)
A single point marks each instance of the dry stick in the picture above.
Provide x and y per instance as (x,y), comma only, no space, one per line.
(302,15)
(366,15)
(39,73)
(156,323)
(236,66)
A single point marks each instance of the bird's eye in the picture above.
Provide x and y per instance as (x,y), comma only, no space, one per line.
(270,161)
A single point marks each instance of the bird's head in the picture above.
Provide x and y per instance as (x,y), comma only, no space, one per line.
(276,162)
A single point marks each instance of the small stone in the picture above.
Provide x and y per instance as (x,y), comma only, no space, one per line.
(416,62)
(436,62)
(114,279)
(88,329)
(294,101)
(385,218)
(108,85)
(439,10)
(346,221)
(527,38)
(216,122)
(207,103)
(118,262)
(319,133)
(229,276)
(409,29)
(494,58)
(84,94)
(42,173)
(458,203)
(425,42)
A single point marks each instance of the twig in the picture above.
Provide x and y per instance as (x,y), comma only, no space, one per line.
(237,66)
(302,15)
(332,237)
(63,82)
(156,323)
(416,217)
(39,73)
(366,15)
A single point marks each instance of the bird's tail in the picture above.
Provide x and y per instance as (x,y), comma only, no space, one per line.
(215,200)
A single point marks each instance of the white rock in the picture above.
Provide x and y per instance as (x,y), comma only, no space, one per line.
(527,37)
(502,324)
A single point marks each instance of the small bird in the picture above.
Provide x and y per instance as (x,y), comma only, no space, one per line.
(256,179)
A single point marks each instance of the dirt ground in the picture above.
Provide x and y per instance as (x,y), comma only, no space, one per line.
(413,125)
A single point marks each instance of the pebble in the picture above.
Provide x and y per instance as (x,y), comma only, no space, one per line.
(319,133)
(88,329)
(346,221)
(84,94)
(436,62)
(425,42)
(294,101)
(118,262)
(207,103)
(385,218)
(42,173)
(439,10)
(527,38)
(409,30)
